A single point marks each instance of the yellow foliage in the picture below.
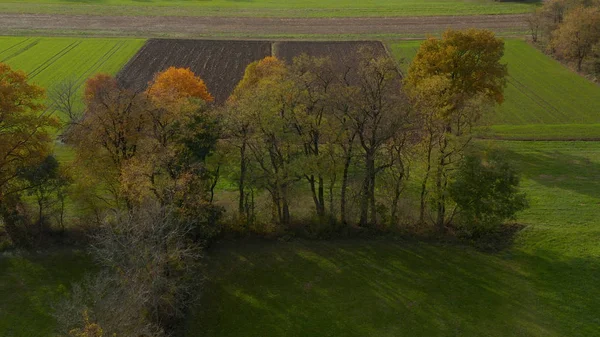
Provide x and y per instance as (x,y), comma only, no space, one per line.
(89,329)
(269,67)
(468,60)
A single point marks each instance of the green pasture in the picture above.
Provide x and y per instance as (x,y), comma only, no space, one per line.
(269,8)
(545,285)
(543,98)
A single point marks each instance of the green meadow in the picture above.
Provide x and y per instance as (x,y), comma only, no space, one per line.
(546,284)
(270,8)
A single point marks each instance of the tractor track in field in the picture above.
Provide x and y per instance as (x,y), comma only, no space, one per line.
(149,26)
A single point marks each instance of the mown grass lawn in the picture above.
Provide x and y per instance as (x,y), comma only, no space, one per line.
(543,99)
(545,285)
(288,8)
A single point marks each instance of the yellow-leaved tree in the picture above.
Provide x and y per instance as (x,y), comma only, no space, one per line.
(579,32)
(452,81)
(239,118)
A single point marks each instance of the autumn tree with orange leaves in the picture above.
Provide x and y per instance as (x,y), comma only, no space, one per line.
(144,144)
(25,138)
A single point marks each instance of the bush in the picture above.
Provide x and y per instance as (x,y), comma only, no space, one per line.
(486,194)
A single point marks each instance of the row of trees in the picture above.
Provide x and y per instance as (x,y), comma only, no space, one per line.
(349,137)
(570,30)
(338,130)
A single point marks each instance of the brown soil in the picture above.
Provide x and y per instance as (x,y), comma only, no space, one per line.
(221,64)
(246,26)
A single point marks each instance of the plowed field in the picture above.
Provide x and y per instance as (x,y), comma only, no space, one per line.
(221,64)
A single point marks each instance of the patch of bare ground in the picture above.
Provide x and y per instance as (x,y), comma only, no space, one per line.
(249,26)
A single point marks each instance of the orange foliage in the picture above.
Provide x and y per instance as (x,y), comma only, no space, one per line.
(25,125)
(98,84)
(175,83)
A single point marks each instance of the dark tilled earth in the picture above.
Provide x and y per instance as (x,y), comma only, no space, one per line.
(221,63)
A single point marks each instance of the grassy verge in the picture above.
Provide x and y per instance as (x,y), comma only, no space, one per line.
(268,8)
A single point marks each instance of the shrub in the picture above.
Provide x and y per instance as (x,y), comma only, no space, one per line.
(486,193)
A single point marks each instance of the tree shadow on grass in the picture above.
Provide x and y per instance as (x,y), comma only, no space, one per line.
(29,284)
(384,288)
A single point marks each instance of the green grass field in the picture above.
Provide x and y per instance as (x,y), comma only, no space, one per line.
(546,285)
(272,8)
(544,99)
(48,61)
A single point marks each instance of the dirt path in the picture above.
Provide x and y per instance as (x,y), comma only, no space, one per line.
(227,26)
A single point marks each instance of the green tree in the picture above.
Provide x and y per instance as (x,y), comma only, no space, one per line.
(486,193)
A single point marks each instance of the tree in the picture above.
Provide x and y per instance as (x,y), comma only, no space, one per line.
(535,21)
(47,183)
(381,113)
(109,134)
(314,79)
(452,80)
(25,137)
(181,133)
(576,36)
(259,119)
(486,193)
(64,98)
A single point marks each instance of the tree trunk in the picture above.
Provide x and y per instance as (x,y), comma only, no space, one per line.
(397,193)
(242,181)
(367,197)
(440,188)
(285,208)
(425,181)
(372,199)
(321,209)
(344,187)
